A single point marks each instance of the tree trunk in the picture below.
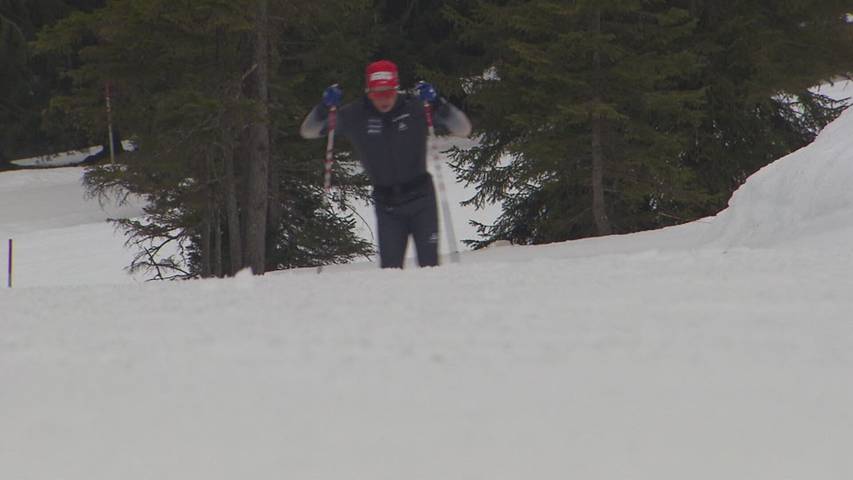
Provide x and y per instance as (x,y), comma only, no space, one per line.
(217,243)
(259,152)
(599,207)
(205,241)
(207,229)
(232,213)
(242,164)
(276,209)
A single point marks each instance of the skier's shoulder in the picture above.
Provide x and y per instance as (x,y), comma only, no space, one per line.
(351,108)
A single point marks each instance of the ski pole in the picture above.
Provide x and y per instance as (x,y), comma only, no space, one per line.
(330,149)
(439,177)
(332,122)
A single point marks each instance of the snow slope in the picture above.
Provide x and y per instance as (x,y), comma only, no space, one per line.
(800,196)
(61,237)
(716,350)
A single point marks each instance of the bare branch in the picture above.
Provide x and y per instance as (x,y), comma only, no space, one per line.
(14,25)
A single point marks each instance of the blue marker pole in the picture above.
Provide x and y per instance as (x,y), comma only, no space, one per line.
(9,283)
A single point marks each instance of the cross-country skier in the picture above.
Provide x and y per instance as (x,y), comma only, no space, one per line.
(388,130)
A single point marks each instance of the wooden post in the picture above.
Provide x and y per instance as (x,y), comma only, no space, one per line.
(108,94)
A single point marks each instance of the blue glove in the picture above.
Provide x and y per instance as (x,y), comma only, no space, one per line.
(332,96)
(426,92)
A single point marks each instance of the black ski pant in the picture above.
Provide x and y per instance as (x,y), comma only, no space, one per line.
(417,217)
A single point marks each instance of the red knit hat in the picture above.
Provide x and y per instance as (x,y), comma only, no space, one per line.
(381,78)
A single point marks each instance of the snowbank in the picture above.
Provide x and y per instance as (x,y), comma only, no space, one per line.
(806,193)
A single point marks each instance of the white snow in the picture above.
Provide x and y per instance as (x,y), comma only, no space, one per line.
(721,349)
(60,237)
(61,160)
(67,158)
(841,89)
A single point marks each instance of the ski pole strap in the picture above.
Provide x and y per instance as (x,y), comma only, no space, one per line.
(330,145)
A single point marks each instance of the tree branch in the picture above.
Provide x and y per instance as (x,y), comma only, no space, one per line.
(14,25)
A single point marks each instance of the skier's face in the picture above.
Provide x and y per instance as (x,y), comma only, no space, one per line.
(383,100)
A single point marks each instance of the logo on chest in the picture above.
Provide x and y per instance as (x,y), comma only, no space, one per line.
(401,123)
(374,126)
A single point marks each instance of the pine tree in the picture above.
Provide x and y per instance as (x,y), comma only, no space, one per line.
(419,35)
(330,43)
(628,115)
(760,59)
(13,77)
(26,82)
(190,90)
(582,117)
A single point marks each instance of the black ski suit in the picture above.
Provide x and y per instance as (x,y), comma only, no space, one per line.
(392,148)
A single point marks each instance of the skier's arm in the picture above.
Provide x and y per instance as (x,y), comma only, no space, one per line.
(316,123)
(447,119)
